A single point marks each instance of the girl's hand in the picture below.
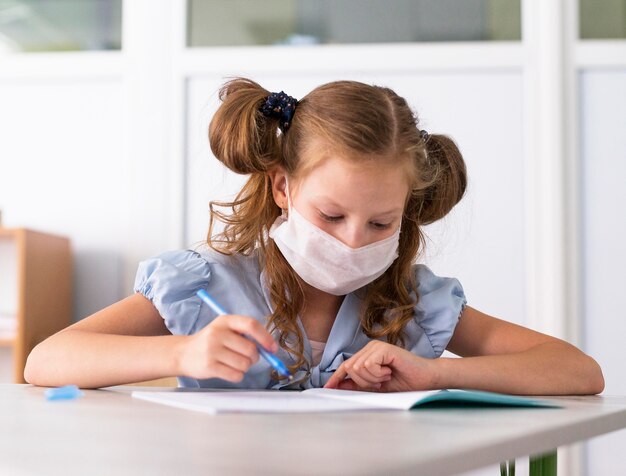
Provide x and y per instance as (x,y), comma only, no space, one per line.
(383,367)
(221,351)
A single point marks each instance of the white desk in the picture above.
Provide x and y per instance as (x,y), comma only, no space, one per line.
(109,432)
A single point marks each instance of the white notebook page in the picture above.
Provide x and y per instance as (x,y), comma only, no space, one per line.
(312,400)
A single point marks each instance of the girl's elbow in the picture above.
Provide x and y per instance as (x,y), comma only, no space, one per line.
(595,379)
(30,369)
(598,386)
(34,368)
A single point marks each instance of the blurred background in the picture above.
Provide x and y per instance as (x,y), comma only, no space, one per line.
(105,104)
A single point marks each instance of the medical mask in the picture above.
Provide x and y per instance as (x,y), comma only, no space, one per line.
(326,263)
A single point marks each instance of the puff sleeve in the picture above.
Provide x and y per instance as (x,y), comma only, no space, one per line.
(170,281)
(437,312)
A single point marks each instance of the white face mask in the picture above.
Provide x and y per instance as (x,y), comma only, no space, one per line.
(326,263)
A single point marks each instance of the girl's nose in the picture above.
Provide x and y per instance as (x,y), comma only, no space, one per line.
(354,237)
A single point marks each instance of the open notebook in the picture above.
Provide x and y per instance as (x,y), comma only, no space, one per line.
(330,400)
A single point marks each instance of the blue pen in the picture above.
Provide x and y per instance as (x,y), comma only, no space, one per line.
(274,361)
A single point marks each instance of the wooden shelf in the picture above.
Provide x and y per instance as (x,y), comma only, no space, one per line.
(7,342)
(44,290)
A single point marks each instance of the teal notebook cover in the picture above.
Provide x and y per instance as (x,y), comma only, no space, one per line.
(476,398)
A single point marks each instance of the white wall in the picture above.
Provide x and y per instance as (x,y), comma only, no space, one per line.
(62,171)
(603,146)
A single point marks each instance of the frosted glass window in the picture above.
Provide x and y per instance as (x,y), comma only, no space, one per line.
(270,22)
(60,25)
(602,19)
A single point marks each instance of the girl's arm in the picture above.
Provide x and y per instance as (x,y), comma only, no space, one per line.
(125,342)
(498,356)
(504,357)
(129,342)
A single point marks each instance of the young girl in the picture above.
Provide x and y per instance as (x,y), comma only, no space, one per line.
(316,263)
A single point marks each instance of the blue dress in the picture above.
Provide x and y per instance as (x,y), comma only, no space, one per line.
(171,279)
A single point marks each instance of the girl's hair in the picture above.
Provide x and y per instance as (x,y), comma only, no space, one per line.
(362,122)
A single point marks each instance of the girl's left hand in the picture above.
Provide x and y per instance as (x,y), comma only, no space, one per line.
(383,367)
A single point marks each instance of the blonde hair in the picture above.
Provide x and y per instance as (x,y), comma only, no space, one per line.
(358,120)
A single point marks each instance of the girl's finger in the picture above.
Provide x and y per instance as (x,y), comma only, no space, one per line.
(373,363)
(359,367)
(370,360)
(253,328)
(226,372)
(337,377)
(241,345)
(233,359)
(379,360)
(347,384)
(360,380)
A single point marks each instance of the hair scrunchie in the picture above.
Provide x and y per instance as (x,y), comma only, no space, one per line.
(282,107)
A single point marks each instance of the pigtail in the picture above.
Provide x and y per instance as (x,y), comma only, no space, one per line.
(241,137)
(440,185)
(245,137)
(247,142)
(445,178)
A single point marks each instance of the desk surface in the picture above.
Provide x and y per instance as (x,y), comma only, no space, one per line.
(109,432)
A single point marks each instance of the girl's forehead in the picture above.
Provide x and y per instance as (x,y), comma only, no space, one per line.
(316,152)
(355,170)
(369,181)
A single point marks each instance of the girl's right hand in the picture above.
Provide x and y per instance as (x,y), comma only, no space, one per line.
(221,351)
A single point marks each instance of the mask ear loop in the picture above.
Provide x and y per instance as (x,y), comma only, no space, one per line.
(285,214)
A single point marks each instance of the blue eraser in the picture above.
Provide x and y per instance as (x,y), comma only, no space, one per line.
(67,392)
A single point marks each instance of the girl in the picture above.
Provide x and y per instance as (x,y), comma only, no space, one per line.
(317,261)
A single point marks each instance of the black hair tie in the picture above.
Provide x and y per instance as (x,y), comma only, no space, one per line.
(424,134)
(282,107)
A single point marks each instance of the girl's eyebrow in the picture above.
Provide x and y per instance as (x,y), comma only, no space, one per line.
(331,202)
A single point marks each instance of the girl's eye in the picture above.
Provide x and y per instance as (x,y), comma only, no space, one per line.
(330,218)
(381,226)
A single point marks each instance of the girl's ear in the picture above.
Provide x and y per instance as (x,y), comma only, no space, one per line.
(278,178)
